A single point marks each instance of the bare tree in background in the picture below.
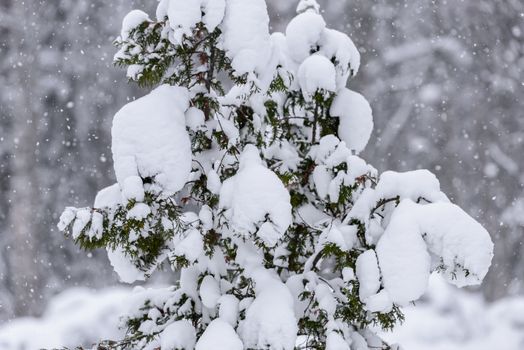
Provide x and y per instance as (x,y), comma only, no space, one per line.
(57,97)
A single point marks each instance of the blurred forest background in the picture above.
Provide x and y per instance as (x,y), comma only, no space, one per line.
(445,79)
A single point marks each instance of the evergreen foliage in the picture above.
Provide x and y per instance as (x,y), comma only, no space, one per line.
(285,135)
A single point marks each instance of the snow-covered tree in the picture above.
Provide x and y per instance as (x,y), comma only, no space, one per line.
(240,171)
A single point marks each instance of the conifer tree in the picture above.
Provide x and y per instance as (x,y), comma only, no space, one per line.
(240,171)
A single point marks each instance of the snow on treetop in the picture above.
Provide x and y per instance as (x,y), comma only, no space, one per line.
(303,33)
(246,35)
(307,33)
(305,5)
(185,14)
(150,141)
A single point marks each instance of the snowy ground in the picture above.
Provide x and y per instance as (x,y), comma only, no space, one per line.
(452,319)
(75,317)
(447,319)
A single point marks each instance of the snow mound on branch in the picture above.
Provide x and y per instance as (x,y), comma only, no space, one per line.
(368,274)
(330,151)
(195,119)
(256,197)
(125,269)
(338,46)
(412,185)
(316,73)
(108,197)
(282,58)
(132,20)
(214,11)
(404,261)
(150,141)
(209,292)
(161,9)
(335,341)
(439,236)
(228,310)
(178,335)
(190,245)
(270,320)
(246,38)
(303,34)
(356,119)
(380,302)
(329,154)
(462,244)
(184,15)
(306,5)
(219,335)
